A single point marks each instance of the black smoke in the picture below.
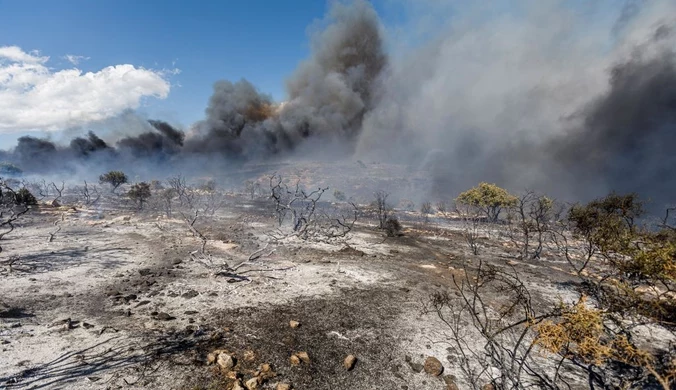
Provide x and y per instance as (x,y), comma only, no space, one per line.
(628,137)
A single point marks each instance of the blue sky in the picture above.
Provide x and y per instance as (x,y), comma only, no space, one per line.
(262,41)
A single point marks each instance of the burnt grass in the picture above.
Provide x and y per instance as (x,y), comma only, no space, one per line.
(360,315)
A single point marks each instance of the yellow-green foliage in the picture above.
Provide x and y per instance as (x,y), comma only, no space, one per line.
(489,198)
(607,223)
(579,335)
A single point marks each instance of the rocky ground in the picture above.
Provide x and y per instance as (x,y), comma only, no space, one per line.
(118,299)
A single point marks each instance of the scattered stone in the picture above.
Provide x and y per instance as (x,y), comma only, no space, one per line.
(295,360)
(87,325)
(190,312)
(162,316)
(449,380)
(249,356)
(488,386)
(145,271)
(265,372)
(142,303)
(176,261)
(234,375)
(283,386)
(252,383)
(66,322)
(211,357)
(417,367)
(304,357)
(433,366)
(129,297)
(294,324)
(349,362)
(237,386)
(113,293)
(190,294)
(452,386)
(225,360)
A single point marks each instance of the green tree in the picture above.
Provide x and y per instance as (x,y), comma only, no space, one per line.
(114,178)
(139,193)
(488,198)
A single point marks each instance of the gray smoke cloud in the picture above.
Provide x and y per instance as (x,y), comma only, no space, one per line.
(328,95)
(575,104)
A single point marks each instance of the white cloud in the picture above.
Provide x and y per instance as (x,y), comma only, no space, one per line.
(73,59)
(33,96)
(14,53)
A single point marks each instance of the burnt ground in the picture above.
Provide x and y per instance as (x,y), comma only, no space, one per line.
(117,301)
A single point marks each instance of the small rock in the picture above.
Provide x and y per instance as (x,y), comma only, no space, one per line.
(294,324)
(452,386)
(66,322)
(87,325)
(249,356)
(130,297)
(488,386)
(448,379)
(225,361)
(349,362)
(294,360)
(283,386)
(211,358)
(265,372)
(416,367)
(303,356)
(190,294)
(237,386)
(176,261)
(251,384)
(162,316)
(433,366)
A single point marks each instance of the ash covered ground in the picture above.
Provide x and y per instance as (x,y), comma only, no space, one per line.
(104,295)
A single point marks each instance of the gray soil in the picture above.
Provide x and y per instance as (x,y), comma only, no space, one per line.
(116,300)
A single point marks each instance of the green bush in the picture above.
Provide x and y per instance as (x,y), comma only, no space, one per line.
(114,178)
(488,198)
(139,193)
(23,196)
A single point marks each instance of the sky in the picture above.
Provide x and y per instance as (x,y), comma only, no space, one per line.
(64,64)
(67,64)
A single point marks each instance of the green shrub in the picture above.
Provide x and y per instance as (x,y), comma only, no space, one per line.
(114,178)
(488,198)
